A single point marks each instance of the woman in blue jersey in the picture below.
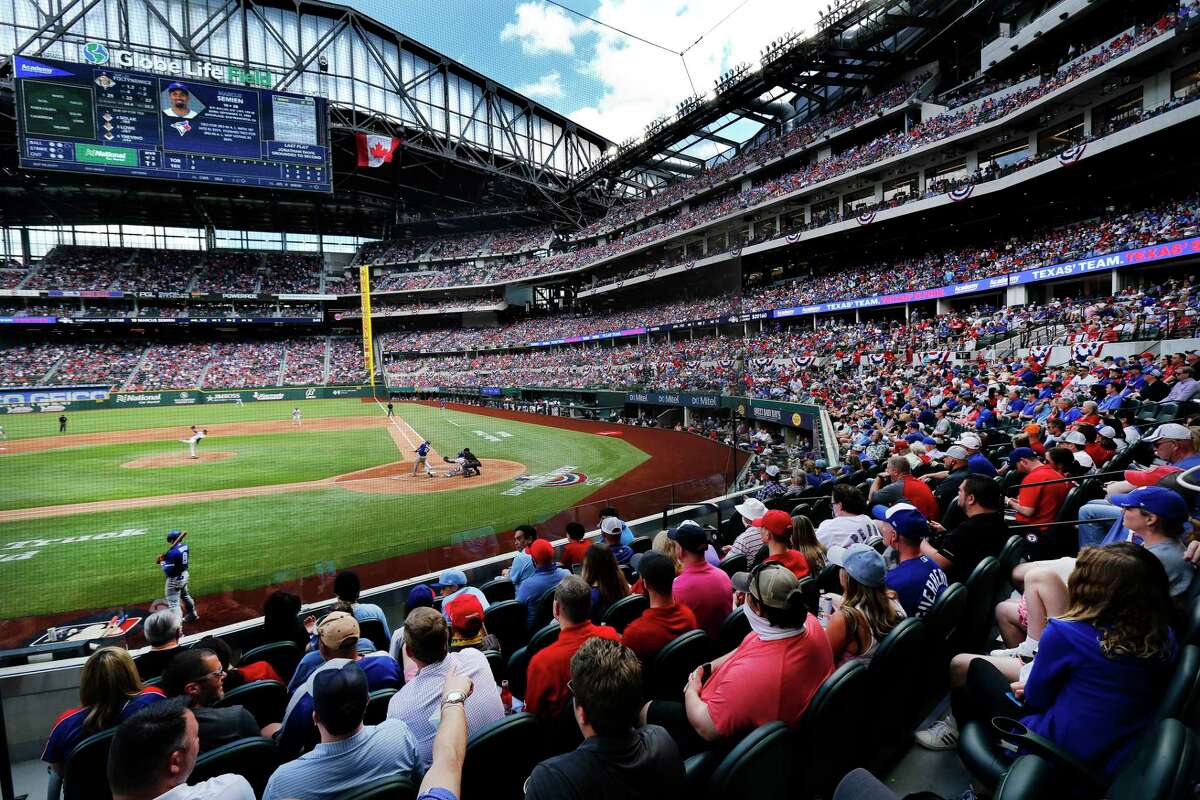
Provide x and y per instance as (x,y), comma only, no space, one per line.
(109,692)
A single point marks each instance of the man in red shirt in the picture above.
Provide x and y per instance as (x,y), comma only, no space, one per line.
(549,670)
(777,526)
(574,550)
(904,487)
(664,620)
(1036,505)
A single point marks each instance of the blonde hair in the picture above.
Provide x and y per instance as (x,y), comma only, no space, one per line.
(1122,590)
(804,539)
(108,681)
(663,544)
(869,606)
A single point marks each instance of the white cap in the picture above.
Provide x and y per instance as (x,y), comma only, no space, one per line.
(1075,437)
(956,451)
(1169,430)
(772,470)
(611,525)
(969,441)
(751,509)
(1107,431)
(1084,459)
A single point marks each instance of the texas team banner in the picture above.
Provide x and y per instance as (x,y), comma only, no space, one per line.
(364,281)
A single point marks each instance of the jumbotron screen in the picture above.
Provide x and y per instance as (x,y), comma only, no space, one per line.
(96,119)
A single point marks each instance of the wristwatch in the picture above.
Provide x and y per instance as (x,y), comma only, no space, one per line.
(454,697)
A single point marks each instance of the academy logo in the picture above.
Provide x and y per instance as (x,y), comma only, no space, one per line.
(563,476)
(95,53)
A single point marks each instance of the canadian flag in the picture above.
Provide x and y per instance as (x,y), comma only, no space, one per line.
(374,151)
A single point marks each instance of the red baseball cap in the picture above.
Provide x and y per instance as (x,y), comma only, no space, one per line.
(541,552)
(776,522)
(463,609)
(1149,477)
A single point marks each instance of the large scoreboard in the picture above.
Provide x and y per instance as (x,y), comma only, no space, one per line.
(97,119)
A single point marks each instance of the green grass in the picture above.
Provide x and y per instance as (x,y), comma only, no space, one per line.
(252,542)
(26,426)
(85,474)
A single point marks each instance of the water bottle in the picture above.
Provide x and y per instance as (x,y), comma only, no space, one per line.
(826,606)
(506,698)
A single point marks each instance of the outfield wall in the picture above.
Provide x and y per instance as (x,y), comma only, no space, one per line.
(26,400)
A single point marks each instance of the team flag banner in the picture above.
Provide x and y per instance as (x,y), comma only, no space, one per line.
(792,238)
(803,362)
(375,151)
(1040,354)
(877,359)
(364,282)
(1082,352)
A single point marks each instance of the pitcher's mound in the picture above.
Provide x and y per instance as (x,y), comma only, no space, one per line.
(178,460)
(397,478)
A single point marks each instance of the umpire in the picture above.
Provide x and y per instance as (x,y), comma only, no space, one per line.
(174,565)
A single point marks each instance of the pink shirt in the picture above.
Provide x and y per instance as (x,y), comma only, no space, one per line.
(708,592)
(766,681)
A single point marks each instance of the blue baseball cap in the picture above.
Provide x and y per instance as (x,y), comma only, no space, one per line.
(1019,453)
(418,596)
(173,535)
(905,518)
(1156,500)
(178,86)
(861,562)
(451,577)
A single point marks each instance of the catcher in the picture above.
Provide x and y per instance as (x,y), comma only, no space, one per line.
(174,564)
(465,464)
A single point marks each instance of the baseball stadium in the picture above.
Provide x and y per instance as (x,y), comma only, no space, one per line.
(599,398)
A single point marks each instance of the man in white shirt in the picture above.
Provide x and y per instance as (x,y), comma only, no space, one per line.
(850,523)
(153,754)
(427,643)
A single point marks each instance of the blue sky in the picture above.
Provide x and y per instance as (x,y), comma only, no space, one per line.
(608,82)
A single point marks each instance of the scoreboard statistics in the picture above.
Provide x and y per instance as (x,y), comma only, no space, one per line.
(97,119)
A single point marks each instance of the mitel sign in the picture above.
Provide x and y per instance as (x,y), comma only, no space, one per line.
(100,54)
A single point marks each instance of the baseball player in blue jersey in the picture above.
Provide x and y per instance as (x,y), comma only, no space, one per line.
(174,565)
(422,460)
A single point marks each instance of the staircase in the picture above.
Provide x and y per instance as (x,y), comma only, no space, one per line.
(54,369)
(29,275)
(203,375)
(128,384)
(282,367)
(328,355)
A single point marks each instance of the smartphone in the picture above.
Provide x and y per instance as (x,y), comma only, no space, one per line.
(1013,697)
(704,676)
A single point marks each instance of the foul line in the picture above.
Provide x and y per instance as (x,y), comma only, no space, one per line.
(399,425)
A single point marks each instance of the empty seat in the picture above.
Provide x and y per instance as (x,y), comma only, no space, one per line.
(833,715)
(625,611)
(669,670)
(266,700)
(392,787)
(640,544)
(495,661)
(975,633)
(506,620)
(500,758)
(255,759)
(760,766)
(897,663)
(544,612)
(733,563)
(1012,555)
(377,706)
(519,661)
(498,590)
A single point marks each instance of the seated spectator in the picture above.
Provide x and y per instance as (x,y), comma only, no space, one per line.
(162,630)
(466,625)
(984,532)
(546,691)
(347,587)
(785,659)
(804,537)
(945,488)
(426,642)
(618,758)
(154,752)
(703,588)
(665,620)
(237,674)
(868,610)
(109,692)
(777,536)
(281,621)
(850,523)
(546,575)
(612,528)
(607,512)
(1100,667)
(574,550)
(917,580)
(453,583)
(600,571)
(443,781)
(350,753)
(337,642)
(903,488)
(419,596)
(977,462)
(1039,504)
(196,675)
(522,564)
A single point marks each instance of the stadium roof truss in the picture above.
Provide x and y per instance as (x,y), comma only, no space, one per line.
(376,79)
(857,42)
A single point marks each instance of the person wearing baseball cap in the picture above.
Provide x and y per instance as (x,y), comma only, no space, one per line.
(1036,505)
(1156,515)
(546,575)
(917,580)
(777,536)
(977,462)
(627,536)
(742,690)
(868,609)
(700,586)
(945,483)
(465,614)
(610,528)
(1174,444)
(452,583)
(903,488)
(771,485)
(349,754)
(179,100)
(337,643)
(665,620)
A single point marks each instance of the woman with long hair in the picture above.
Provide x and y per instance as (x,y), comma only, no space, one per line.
(868,611)
(1100,667)
(804,539)
(281,621)
(600,571)
(109,692)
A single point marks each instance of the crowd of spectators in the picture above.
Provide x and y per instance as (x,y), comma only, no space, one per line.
(305,362)
(286,273)
(231,271)
(244,364)
(28,364)
(346,365)
(70,267)
(105,363)
(172,366)
(156,271)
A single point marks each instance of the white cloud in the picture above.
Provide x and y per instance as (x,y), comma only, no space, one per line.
(547,86)
(641,82)
(543,29)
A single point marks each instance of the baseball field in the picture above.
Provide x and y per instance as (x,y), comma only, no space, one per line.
(267,502)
